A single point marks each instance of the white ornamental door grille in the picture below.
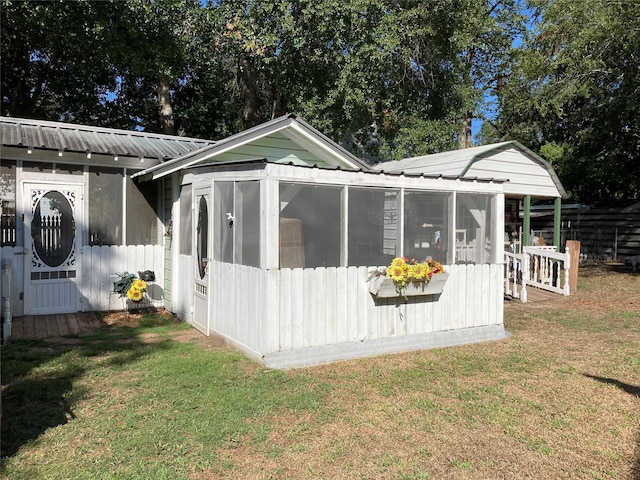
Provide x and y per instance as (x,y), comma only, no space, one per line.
(202,249)
(52,236)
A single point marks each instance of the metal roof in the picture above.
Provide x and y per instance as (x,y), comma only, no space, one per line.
(367,171)
(466,161)
(289,125)
(39,134)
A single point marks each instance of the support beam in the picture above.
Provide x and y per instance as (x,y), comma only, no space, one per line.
(526,223)
(557,210)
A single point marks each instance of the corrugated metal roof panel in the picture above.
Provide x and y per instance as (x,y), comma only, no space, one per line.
(79,138)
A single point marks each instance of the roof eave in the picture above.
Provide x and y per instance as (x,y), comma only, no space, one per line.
(538,158)
(290,120)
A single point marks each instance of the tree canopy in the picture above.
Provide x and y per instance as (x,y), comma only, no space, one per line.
(384,78)
(573,94)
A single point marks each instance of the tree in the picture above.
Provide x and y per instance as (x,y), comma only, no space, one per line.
(485,40)
(574,96)
(105,63)
(387,79)
(56,64)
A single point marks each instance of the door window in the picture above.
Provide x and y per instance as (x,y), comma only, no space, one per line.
(202,236)
(53,229)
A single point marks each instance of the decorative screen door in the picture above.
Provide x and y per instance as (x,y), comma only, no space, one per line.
(202,250)
(52,235)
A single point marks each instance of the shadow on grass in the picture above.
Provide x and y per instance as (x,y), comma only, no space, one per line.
(631,390)
(39,382)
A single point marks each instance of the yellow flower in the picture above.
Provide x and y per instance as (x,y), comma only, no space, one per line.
(139,285)
(402,271)
(398,262)
(134,294)
(419,272)
(396,273)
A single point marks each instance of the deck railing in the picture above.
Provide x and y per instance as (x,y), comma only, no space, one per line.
(539,267)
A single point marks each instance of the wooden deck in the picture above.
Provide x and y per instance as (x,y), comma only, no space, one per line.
(44,326)
(537,295)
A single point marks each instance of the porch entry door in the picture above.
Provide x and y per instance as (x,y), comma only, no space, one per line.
(53,220)
(202,249)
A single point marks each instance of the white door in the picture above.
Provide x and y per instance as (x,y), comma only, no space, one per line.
(202,249)
(53,214)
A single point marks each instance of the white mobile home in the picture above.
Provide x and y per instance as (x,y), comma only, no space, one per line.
(72,216)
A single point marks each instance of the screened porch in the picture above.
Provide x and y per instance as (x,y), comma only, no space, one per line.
(280,258)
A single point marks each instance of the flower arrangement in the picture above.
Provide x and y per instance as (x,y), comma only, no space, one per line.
(136,291)
(403,271)
(408,278)
(127,284)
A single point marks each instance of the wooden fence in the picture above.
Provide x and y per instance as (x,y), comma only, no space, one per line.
(95,266)
(604,233)
(289,317)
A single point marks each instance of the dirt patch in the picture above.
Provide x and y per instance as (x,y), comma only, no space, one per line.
(211,342)
(136,319)
(132,318)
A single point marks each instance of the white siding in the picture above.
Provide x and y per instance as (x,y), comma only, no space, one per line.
(526,176)
(99,263)
(183,287)
(96,264)
(16,256)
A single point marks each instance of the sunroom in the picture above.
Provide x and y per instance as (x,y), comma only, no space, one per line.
(278,258)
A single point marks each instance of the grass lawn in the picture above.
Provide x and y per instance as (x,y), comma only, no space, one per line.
(559,399)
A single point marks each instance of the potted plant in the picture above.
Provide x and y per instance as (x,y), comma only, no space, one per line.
(129,285)
(408,278)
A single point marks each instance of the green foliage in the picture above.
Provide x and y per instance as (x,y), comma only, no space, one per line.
(123,283)
(573,94)
(384,78)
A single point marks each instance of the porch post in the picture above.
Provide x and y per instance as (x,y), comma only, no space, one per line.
(269,224)
(497,235)
(526,223)
(344,226)
(556,222)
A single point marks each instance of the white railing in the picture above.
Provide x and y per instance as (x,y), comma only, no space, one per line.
(540,267)
(515,284)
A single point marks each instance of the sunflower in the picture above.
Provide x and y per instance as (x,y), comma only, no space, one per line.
(398,262)
(397,273)
(139,285)
(134,294)
(419,272)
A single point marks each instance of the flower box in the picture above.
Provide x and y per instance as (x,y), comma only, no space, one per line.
(383,287)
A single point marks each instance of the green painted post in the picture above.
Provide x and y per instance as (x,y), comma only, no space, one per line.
(526,223)
(557,212)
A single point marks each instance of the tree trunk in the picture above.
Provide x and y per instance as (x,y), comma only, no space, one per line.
(465,138)
(279,107)
(248,92)
(166,109)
